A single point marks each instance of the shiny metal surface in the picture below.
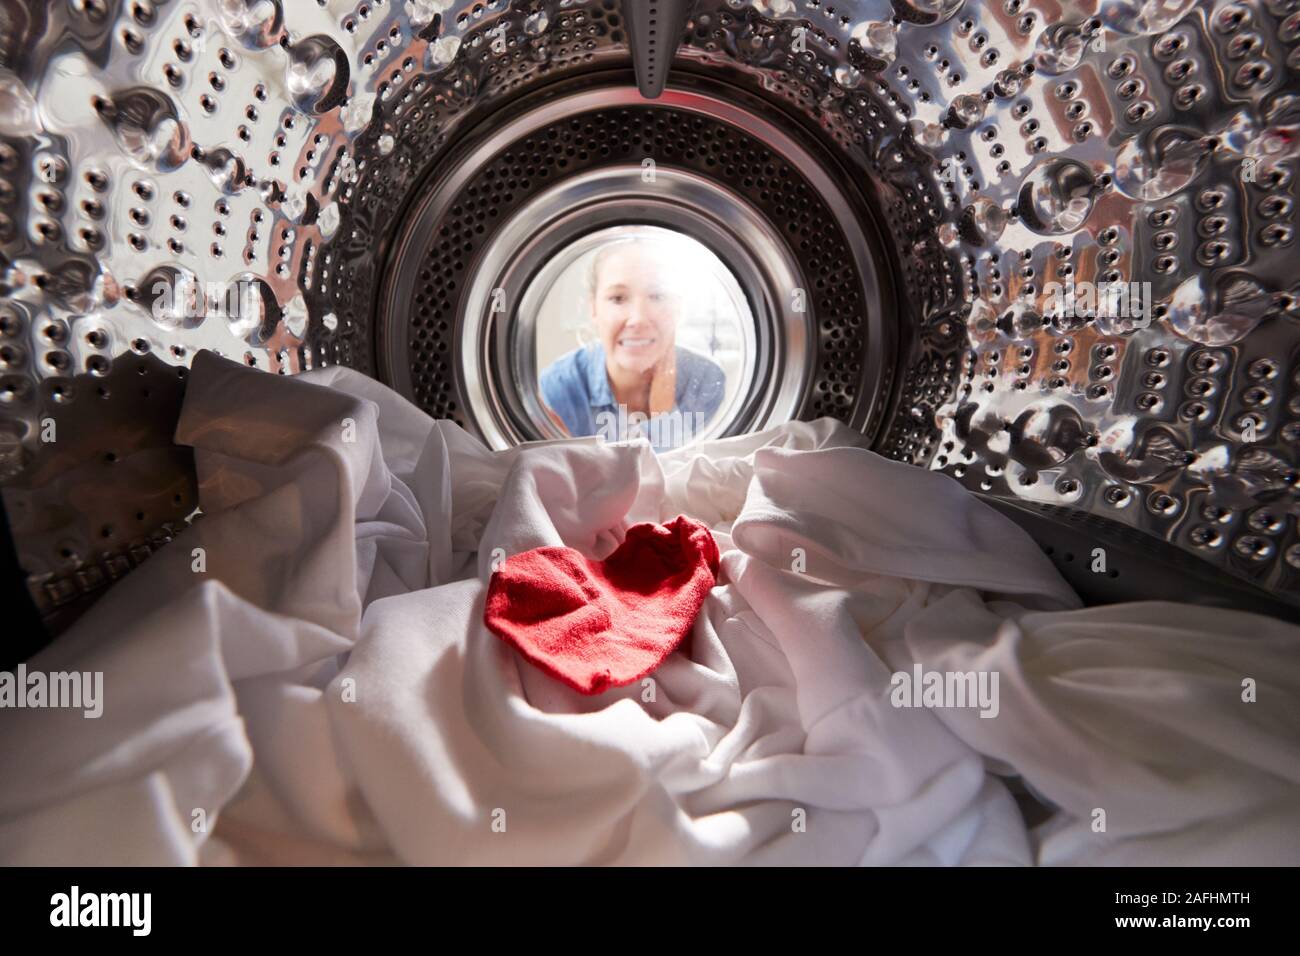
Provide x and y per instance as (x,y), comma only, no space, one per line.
(1001,147)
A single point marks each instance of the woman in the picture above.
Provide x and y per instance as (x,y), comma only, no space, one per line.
(634,372)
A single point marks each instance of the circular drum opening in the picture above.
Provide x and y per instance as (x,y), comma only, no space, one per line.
(635,331)
(487,286)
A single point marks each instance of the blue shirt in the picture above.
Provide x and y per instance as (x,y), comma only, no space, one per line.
(577,389)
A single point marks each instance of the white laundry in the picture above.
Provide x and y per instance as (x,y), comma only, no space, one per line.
(326,691)
(1141,711)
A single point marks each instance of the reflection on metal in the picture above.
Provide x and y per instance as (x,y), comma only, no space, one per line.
(1008,149)
(654,28)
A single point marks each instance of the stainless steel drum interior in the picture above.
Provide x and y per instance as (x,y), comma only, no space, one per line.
(933,174)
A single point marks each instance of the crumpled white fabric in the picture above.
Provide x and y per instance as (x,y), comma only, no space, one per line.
(1178,722)
(325,691)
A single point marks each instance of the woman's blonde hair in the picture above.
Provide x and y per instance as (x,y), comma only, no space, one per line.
(623,242)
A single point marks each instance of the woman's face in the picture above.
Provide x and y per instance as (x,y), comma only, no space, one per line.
(634,307)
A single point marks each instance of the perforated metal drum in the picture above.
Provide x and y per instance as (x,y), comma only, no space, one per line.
(1046,247)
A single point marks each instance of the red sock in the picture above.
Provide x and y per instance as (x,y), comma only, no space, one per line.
(601,624)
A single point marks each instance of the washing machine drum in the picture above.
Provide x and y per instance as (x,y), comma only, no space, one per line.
(1045,247)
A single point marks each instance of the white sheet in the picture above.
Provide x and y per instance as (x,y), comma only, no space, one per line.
(339,567)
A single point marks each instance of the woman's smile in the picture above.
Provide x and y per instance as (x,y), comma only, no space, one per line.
(638,343)
(638,290)
(634,310)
